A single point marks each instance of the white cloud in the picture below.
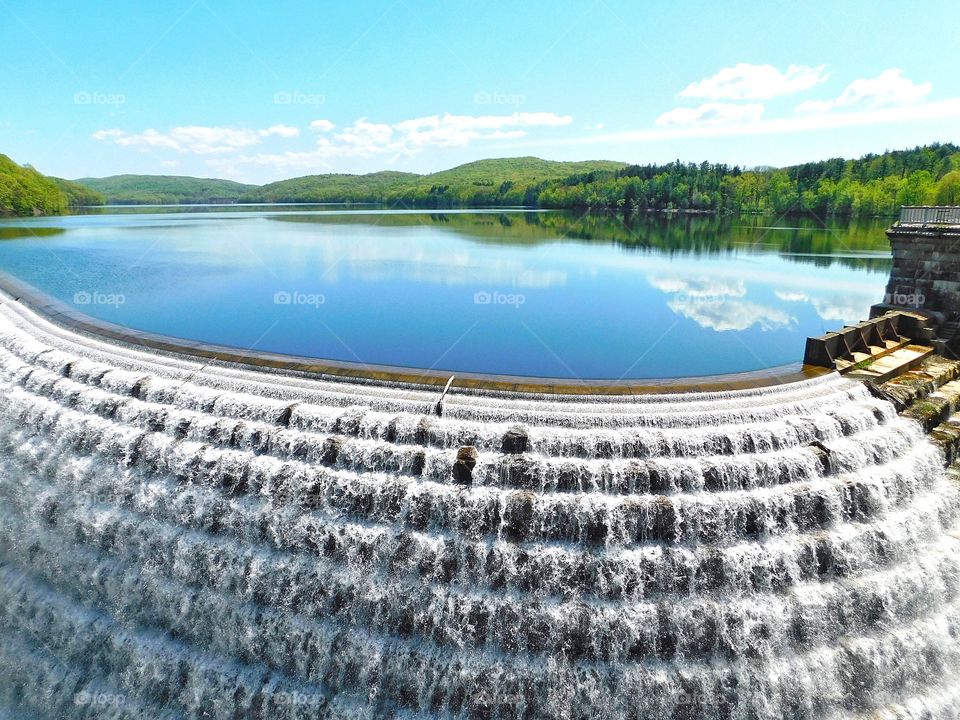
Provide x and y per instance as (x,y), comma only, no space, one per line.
(807,122)
(366,139)
(699,287)
(459,130)
(717,303)
(889,88)
(712,114)
(280,130)
(849,307)
(196,139)
(789,296)
(730,314)
(744,81)
(361,139)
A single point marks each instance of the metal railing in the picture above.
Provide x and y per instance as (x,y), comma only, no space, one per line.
(930,215)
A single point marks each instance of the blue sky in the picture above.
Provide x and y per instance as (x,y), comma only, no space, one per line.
(259,92)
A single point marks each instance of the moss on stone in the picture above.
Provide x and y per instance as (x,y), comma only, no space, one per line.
(928,414)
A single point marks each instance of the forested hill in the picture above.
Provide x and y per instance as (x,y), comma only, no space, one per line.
(165,189)
(876,184)
(501,181)
(24,191)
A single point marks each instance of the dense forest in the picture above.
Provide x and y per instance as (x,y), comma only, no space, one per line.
(872,186)
(165,189)
(24,191)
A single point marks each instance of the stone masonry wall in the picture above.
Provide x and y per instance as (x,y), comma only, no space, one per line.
(926,270)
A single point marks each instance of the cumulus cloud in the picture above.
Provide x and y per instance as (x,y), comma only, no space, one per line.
(280,130)
(889,88)
(923,112)
(849,307)
(712,114)
(788,296)
(197,139)
(744,81)
(700,287)
(361,139)
(366,139)
(459,130)
(730,314)
(717,303)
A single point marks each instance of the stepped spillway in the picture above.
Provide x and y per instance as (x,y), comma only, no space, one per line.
(180,540)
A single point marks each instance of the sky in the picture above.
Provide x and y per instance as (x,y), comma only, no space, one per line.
(258,92)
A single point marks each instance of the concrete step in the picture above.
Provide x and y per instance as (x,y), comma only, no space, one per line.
(888,366)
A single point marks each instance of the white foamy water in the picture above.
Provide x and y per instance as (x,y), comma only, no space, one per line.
(227,543)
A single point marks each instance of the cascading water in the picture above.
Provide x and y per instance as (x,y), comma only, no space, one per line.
(229,543)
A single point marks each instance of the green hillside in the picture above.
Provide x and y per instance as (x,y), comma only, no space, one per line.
(334,187)
(519,169)
(78,195)
(164,189)
(24,191)
(484,182)
(501,181)
(874,185)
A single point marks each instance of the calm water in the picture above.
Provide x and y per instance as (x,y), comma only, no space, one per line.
(523,293)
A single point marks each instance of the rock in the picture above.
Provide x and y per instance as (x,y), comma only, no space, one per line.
(465,462)
(520,473)
(515,440)
(331,450)
(822,453)
(419,463)
(883,394)
(517,516)
(285,415)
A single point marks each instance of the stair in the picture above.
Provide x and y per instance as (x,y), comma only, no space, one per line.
(887,366)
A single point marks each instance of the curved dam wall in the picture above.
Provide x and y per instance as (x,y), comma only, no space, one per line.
(188,541)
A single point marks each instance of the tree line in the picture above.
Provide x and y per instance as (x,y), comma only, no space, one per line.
(874,185)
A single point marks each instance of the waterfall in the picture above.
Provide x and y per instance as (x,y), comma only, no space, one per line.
(189,541)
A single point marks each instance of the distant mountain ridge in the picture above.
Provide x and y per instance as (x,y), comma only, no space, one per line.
(873,185)
(165,189)
(337,187)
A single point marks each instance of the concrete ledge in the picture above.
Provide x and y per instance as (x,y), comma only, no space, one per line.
(65,316)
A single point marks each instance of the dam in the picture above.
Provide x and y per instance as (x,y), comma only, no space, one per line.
(185,536)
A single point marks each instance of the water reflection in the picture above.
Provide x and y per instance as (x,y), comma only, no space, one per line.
(602,296)
(860,244)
